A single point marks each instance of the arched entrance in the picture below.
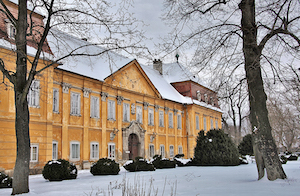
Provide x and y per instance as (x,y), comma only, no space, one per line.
(133,146)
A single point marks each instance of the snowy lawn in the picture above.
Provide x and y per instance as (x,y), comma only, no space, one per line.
(187,181)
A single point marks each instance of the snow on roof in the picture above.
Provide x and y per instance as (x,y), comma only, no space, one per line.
(29,6)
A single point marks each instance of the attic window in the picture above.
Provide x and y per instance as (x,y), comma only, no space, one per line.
(198,95)
(11,29)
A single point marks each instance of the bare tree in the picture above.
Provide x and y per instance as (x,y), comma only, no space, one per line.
(229,33)
(84,17)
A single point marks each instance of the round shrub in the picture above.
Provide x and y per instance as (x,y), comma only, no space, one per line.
(5,181)
(215,148)
(105,166)
(160,163)
(59,170)
(139,164)
(246,147)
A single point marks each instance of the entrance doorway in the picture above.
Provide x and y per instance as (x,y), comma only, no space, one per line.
(133,146)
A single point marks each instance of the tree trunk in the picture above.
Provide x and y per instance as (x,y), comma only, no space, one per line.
(21,170)
(265,149)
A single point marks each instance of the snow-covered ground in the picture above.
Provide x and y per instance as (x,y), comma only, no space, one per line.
(187,181)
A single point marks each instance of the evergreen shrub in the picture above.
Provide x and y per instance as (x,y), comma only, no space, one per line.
(139,164)
(105,166)
(160,163)
(215,148)
(5,181)
(246,147)
(59,170)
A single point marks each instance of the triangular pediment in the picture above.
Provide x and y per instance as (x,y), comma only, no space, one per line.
(132,77)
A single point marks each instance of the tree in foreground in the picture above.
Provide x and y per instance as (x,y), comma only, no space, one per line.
(215,148)
(231,37)
(81,18)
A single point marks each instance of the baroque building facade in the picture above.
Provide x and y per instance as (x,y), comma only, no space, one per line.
(86,108)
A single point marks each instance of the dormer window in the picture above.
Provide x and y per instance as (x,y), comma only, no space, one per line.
(11,29)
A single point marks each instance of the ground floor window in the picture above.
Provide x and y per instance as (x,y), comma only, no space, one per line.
(180,151)
(111,151)
(75,151)
(94,151)
(34,152)
(151,150)
(162,151)
(54,150)
(171,149)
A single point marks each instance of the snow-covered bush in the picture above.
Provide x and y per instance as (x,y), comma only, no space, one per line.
(246,147)
(5,181)
(139,164)
(160,163)
(105,166)
(283,159)
(59,170)
(179,156)
(215,148)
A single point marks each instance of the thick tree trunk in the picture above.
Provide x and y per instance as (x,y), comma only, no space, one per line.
(265,149)
(21,171)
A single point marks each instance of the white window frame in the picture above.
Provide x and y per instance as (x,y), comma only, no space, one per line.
(151,150)
(11,31)
(139,114)
(55,100)
(75,104)
(95,113)
(54,150)
(151,116)
(179,121)
(33,96)
(111,151)
(211,124)
(126,112)
(111,109)
(171,151)
(75,156)
(170,116)
(162,150)
(204,124)
(197,122)
(34,157)
(180,149)
(161,118)
(216,122)
(94,152)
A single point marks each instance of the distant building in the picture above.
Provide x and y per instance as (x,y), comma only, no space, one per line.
(110,106)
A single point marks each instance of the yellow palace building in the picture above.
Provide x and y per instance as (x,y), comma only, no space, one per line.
(89,107)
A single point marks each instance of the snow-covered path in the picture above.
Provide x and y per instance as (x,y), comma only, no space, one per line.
(186,181)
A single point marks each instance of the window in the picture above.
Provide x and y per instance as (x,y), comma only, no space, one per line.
(75,103)
(94,107)
(204,124)
(180,151)
(54,150)
(111,110)
(162,151)
(161,118)
(111,151)
(171,148)
(151,150)
(216,124)
(211,124)
(151,116)
(33,97)
(126,114)
(55,100)
(139,114)
(75,151)
(170,120)
(197,122)
(11,31)
(179,124)
(94,151)
(34,152)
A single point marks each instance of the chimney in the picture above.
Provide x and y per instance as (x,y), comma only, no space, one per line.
(157,65)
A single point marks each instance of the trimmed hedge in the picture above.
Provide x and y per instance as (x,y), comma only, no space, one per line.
(5,181)
(160,163)
(59,170)
(215,148)
(105,166)
(139,164)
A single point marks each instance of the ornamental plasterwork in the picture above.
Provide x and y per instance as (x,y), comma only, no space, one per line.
(156,107)
(65,87)
(120,99)
(146,104)
(166,110)
(104,95)
(132,108)
(86,92)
